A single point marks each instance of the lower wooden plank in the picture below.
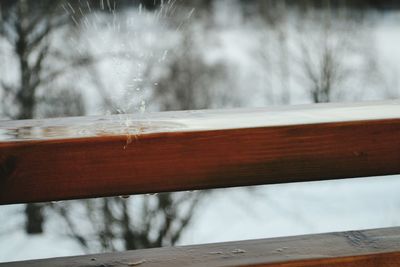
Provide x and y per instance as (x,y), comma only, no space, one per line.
(381,259)
(378,247)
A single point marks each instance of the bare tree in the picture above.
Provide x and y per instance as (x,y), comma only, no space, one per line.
(29,28)
(122,223)
(190,81)
(274,55)
(332,59)
(325,52)
(26,26)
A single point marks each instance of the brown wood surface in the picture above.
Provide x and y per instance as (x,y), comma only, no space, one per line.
(369,248)
(56,159)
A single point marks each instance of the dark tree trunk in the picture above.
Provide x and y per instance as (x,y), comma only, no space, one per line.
(26,99)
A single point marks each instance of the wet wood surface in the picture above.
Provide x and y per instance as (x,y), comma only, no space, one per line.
(369,248)
(57,159)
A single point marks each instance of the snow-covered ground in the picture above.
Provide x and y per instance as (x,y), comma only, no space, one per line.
(300,208)
(239,213)
(251,213)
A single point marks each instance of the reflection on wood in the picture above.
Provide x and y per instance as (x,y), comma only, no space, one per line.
(368,248)
(191,152)
(183,121)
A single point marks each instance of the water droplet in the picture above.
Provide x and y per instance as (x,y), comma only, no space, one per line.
(140,8)
(70,6)
(164,56)
(66,10)
(136,263)
(238,251)
(83,132)
(215,253)
(128,140)
(142,107)
(75,22)
(88,5)
(190,13)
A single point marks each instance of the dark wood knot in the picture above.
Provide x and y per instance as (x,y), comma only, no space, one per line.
(8,165)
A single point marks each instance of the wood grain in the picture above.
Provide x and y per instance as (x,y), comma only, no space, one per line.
(369,248)
(43,160)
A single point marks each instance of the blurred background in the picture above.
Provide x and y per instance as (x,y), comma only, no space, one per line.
(97,57)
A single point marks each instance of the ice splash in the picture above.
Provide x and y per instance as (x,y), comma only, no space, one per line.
(125,45)
(127,51)
(82,127)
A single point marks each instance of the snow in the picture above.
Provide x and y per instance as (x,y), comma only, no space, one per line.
(294,209)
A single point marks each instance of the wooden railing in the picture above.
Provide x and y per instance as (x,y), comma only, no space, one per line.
(69,158)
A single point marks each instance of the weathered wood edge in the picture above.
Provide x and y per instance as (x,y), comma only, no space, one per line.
(195,120)
(377,247)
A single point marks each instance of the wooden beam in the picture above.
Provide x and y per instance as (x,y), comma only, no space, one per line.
(379,247)
(56,159)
